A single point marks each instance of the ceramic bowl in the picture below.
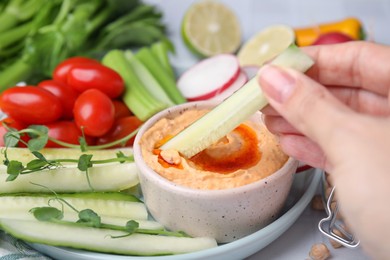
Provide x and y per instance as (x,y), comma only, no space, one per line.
(227,214)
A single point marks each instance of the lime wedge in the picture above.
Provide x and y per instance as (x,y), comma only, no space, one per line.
(265,45)
(209,28)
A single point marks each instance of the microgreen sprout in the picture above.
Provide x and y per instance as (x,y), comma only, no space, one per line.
(38,139)
(89,218)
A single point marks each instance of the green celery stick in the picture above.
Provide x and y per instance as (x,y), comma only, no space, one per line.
(147,79)
(160,50)
(136,96)
(146,56)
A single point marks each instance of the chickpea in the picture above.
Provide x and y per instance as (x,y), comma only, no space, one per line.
(317,203)
(333,242)
(319,252)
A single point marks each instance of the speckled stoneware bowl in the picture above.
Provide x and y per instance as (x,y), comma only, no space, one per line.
(227,214)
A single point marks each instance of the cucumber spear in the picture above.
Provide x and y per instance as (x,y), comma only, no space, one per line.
(233,111)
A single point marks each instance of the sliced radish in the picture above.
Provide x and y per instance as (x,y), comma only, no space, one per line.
(238,83)
(250,71)
(208,77)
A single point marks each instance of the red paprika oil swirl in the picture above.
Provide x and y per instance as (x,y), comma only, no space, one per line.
(245,157)
(157,151)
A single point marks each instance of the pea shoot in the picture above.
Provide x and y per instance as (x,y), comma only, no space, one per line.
(38,135)
(89,218)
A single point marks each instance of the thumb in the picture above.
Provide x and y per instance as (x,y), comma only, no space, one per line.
(304,103)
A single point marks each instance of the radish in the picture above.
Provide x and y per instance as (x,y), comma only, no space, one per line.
(209,77)
(332,38)
(238,83)
(250,71)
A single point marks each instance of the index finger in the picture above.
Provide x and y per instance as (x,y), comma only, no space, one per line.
(353,64)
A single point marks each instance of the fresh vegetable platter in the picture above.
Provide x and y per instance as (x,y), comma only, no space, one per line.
(93,73)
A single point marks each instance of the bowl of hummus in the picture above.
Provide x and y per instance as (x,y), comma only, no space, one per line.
(230,190)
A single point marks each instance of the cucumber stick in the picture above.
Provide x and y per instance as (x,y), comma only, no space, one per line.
(73,217)
(234,110)
(107,177)
(110,204)
(100,240)
(24,155)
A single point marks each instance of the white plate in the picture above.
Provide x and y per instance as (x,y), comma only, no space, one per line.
(304,187)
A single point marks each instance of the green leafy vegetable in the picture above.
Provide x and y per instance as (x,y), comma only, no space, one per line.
(47,213)
(89,217)
(36,35)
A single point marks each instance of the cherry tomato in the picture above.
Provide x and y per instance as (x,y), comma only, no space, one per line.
(66,131)
(94,112)
(12,123)
(66,94)
(121,128)
(85,76)
(60,73)
(121,109)
(31,105)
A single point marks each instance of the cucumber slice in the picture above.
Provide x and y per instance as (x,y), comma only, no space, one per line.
(107,177)
(234,110)
(100,240)
(103,205)
(24,155)
(73,217)
(86,195)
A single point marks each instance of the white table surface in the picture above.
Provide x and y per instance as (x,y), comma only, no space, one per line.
(254,15)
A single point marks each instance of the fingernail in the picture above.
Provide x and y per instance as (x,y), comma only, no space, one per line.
(276,83)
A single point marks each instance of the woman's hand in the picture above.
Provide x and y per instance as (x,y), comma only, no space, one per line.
(343,128)
(357,75)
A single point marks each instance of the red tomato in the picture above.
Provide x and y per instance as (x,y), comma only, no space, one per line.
(85,76)
(66,131)
(121,128)
(121,109)
(12,124)
(94,112)
(66,94)
(31,105)
(61,71)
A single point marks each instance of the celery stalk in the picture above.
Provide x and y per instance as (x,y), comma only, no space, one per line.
(17,11)
(147,79)
(14,73)
(234,110)
(14,35)
(136,96)
(146,56)
(160,51)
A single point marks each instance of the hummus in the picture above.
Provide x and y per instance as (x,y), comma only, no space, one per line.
(247,154)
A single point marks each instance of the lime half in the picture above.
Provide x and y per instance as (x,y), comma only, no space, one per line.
(210,28)
(265,45)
